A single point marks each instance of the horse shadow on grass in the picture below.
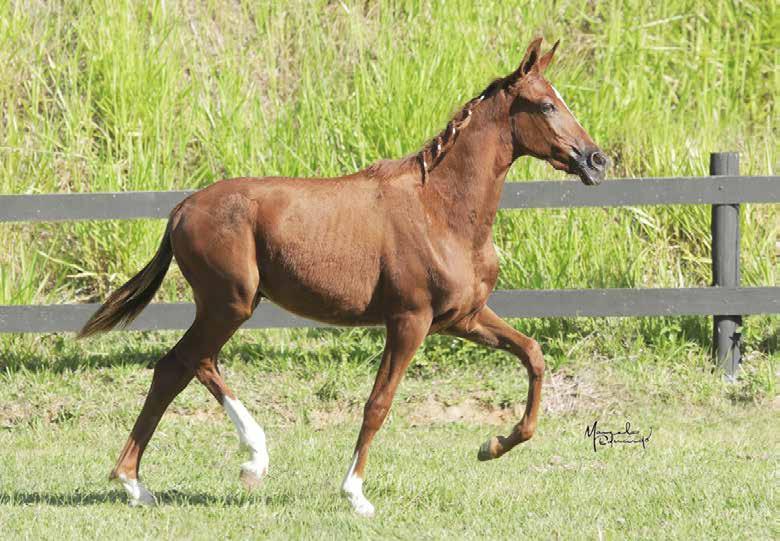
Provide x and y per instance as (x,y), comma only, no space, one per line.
(168,497)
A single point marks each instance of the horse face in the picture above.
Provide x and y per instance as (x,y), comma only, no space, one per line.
(543,126)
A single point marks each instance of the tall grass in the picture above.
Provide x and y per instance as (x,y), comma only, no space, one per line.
(116,95)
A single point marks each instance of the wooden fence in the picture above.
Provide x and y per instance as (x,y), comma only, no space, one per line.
(726,300)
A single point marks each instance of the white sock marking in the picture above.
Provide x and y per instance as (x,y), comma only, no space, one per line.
(352,487)
(137,492)
(250,435)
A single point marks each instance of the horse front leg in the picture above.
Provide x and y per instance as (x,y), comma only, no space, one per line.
(404,335)
(486,328)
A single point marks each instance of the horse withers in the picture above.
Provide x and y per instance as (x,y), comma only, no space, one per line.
(403,243)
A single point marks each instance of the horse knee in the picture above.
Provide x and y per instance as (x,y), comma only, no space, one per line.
(374,413)
(534,359)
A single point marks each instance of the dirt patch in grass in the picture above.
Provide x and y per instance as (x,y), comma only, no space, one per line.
(429,411)
(567,392)
(14,415)
(470,410)
(563,394)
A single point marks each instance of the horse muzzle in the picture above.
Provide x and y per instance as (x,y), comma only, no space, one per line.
(590,167)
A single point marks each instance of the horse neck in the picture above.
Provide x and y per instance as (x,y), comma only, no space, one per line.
(464,189)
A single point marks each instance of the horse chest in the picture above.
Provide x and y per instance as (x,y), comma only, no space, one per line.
(462,282)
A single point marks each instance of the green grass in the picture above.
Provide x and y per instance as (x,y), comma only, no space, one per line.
(104,96)
(707,471)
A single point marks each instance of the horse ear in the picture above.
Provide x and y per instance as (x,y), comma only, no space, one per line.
(547,58)
(531,57)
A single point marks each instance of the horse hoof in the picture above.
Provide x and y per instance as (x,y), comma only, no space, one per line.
(146,499)
(250,477)
(360,505)
(365,509)
(486,450)
(138,495)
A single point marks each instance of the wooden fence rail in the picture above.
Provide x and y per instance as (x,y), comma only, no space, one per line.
(511,303)
(711,190)
(724,190)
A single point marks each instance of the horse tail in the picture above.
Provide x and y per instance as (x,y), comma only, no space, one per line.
(124,304)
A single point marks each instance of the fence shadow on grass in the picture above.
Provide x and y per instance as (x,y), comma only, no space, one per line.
(280,349)
(60,360)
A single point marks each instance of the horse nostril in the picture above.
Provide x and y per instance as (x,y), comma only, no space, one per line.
(598,160)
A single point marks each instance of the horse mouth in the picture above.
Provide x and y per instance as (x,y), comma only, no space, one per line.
(590,173)
(589,167)
(588,176)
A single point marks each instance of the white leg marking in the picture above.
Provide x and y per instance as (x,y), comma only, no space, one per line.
(137,492)
(250,435)
(352,487)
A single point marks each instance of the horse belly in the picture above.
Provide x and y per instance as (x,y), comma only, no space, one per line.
(327,274)
(341,301)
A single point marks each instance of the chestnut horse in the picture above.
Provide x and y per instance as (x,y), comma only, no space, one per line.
(404,243)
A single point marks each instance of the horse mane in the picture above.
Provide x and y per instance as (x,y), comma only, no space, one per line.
(433,152)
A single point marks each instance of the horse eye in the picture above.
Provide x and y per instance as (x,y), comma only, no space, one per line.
(547,108)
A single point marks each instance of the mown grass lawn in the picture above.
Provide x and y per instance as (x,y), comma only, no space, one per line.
(707,471)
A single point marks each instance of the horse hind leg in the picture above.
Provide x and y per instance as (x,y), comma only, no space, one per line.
(194,356)
(250,434)
(218,259)
(169,379)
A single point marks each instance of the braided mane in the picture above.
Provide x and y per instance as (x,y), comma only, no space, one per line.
(434,151)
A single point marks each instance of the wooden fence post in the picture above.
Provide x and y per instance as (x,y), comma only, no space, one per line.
(725,267)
